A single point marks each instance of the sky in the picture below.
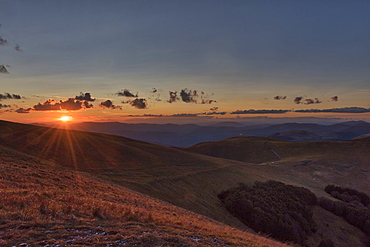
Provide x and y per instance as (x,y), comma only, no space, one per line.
(184,61)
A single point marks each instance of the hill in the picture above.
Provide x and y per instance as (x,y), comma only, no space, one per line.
(44,204)
(191,180)
(185,135)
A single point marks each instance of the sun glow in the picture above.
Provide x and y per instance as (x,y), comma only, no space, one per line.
(65,118)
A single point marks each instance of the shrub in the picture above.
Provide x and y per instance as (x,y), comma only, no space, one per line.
(351,207)
(283,211)
(347,195)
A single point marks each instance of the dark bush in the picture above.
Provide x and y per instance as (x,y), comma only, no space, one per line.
(351,207)
(347,195)
(283,211)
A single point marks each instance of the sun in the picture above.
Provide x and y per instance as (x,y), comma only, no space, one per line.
(65,118)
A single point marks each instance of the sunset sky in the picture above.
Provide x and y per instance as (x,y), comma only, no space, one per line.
(184,61)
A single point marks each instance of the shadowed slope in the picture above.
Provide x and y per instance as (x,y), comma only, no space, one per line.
(191,180)
(43,204)
(250,149)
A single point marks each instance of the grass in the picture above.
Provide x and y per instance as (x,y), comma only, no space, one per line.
(185,179)
(43,204)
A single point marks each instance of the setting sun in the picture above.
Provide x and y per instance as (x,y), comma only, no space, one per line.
(65,118)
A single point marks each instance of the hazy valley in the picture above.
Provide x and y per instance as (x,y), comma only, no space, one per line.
(184,135)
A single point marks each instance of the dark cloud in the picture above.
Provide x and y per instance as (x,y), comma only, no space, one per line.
(85,104)
(139,103)
(3,69)
(213,113)
(3,41)
(311,101)
(109,104)
(22,110)
(298,100)
(259,111)
(207,101)
(126,93)
(147,115)
(184,115)
(173,97)
(17,47)
(86,97)
(188,96)
(338,110)
(10,96)
(70,104)
(279,97)
(49,105)
(4,106)
(334,98)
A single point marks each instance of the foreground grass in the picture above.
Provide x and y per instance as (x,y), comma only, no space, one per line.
(43,205)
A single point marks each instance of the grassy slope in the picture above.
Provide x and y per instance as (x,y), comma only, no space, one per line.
(43,204)
(313,164)
(190,180)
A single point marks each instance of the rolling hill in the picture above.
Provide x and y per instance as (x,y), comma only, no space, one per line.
(48,204)
(192,180)
(190,134)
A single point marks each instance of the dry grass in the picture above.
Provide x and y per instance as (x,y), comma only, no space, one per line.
(184,179)
(43,205)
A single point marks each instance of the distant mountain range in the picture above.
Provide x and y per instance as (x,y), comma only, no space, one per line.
(190,134)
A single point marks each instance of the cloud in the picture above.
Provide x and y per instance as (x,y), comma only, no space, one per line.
(10,96)
(251,111)
(334,98)
(3,41)
(337,110)
(214,109)
(310,101)
(207,101)
(297,100)
(86,97)
(3,70)
(22,110)
(184,115)
(49,105)
(4,106)
(109,104)
(139,103)
(126,93)
(173,97)
(17,47)
(213,113)
(279,97)
(70,104)
(188,96)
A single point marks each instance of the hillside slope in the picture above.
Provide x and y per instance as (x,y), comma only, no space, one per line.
(192,181)
(44,204)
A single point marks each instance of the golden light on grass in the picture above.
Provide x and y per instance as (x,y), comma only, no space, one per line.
(65,118)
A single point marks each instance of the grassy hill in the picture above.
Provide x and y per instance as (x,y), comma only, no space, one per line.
(46,204)
(192,180)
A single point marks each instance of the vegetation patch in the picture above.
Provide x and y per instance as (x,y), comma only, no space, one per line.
(354,206)
(280,210)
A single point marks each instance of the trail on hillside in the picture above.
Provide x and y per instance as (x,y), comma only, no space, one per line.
(277,155)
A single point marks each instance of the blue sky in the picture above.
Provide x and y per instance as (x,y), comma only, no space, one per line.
(241,54)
